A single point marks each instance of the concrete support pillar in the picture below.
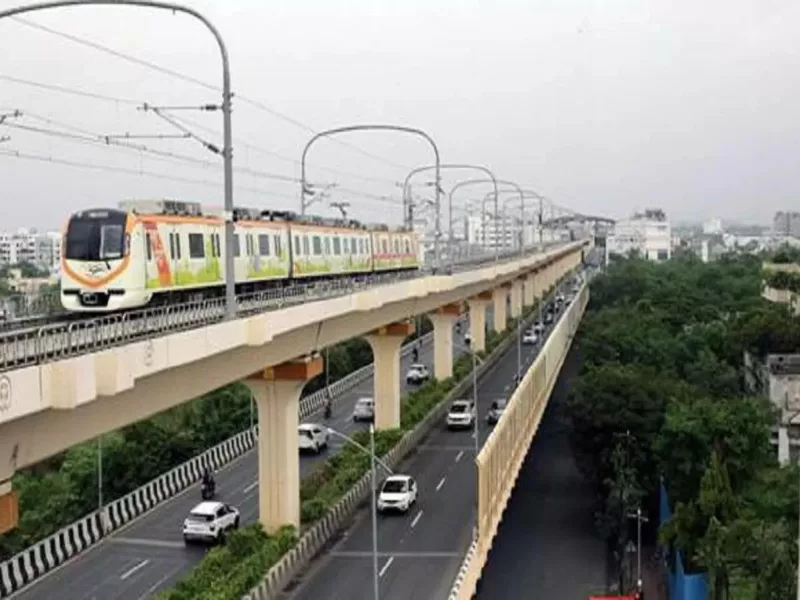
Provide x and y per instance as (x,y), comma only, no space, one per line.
(529,292)
(443,319)
(500,296)
(477,320)
(277,393)
(386,343)
(516,298)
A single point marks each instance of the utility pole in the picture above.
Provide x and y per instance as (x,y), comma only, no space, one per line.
(639,520)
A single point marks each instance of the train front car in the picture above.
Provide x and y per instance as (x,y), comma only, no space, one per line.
(99,270)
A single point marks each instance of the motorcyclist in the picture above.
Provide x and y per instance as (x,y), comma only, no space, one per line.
(328,405)
(208,479)
(415,354)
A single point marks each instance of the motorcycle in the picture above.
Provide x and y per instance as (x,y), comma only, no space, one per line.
(208,490)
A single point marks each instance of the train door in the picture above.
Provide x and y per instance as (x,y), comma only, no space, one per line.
(158,272)
(175,248)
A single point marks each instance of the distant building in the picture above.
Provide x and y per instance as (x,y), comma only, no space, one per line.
(30,246)
(786,223)
(491,232)
(712,227)
(647,234)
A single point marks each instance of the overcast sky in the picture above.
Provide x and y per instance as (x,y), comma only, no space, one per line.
(604,106)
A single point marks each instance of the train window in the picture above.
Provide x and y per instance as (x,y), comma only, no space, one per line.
(305,245)
(172,253)
(248,244)
(385,246)
(112,240)
(316,243)
(297,245)
(177,246)
(354,246)
(237,246)
(213,245)
(362,245)
(148,249)
(408,246)
(346,245)
(216,241)
(396,246)
(337,246)
(327,246)
(278,248)
(196,249)
(263,244)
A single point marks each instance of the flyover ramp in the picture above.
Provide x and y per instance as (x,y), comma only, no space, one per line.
(419,553)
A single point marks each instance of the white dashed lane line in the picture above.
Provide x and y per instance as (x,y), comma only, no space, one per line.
(440,484)
(386,566)
(416,520)
(459,455)
(134,569)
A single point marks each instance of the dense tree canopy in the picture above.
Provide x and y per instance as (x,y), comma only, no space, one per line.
(661,395)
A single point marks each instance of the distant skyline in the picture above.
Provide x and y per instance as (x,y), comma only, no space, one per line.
(606,107)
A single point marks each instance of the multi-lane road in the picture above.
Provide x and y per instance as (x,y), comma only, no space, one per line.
(547,545)
(419,553)
(149,555)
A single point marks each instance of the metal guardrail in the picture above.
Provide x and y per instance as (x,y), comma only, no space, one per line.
(64,339)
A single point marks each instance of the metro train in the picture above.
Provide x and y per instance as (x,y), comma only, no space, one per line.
(164,251)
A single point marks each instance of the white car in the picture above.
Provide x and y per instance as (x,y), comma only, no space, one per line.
(530,337)
(462,413)
(312,437)
(418,373)
(398,492)
(364,410)
(537,328)
(209,521)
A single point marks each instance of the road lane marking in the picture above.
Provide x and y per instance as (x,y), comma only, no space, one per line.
(459,455)
(141,542)
(134,569)
(441,483)
(385,567)
(416,520)
(250,487)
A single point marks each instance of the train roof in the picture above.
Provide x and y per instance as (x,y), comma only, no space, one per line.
(167,206)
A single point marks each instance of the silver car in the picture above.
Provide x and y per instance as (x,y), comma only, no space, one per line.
(364,410)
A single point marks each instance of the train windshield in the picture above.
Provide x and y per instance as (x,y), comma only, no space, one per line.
(96,235)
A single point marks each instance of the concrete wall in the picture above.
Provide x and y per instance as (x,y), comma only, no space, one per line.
(503,453)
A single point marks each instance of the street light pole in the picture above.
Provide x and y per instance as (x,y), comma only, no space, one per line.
(639,520)
(227,135)
(375,574)
(374,461)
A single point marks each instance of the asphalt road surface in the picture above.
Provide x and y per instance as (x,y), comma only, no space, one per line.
(149,555)
(419,553)
(547,546)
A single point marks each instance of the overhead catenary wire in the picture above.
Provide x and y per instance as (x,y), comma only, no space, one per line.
(85,136)
(137,103)
(188,78)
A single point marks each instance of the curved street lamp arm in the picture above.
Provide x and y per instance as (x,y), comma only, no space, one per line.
(364,449)
(227,150)
(380,127)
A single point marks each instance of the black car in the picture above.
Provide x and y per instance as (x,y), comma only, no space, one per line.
(496,411)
